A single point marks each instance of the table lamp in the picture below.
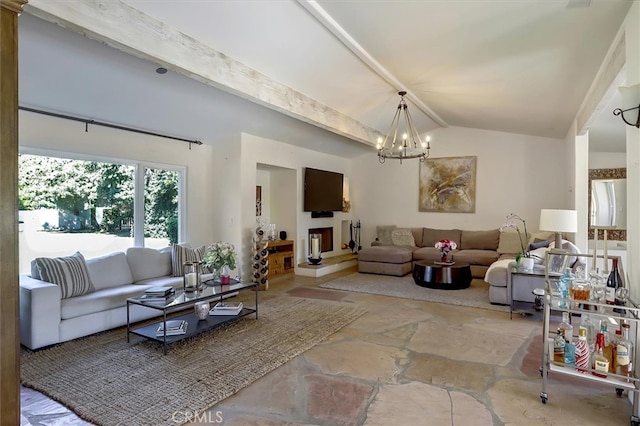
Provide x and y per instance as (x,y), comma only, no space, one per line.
(558,221)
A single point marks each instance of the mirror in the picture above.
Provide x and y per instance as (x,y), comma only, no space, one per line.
(608,207)
(608,203)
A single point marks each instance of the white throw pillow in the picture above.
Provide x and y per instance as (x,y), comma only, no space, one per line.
(69,273)
(403,237)
(111,270)
(570,247)
(539,254)
(148,263)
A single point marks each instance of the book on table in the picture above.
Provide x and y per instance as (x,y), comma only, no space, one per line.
(159,291)
(174,328)
(226,308)
(154,299)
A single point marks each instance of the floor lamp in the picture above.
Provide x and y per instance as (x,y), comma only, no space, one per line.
(558,221)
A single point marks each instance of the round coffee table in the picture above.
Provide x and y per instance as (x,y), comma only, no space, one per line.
(446,277)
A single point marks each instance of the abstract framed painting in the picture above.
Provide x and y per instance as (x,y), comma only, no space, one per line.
(448,185)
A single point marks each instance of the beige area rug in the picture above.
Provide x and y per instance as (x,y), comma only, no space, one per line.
(108,381)
(477,295)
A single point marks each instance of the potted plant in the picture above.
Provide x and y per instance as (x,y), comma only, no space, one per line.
(524,258)
(221,258)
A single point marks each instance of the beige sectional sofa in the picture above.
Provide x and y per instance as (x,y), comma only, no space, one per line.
(491,254)
(477,248)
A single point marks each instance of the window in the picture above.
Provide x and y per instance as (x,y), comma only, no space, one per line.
(68,205)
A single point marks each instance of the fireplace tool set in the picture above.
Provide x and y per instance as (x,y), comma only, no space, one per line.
(354,232)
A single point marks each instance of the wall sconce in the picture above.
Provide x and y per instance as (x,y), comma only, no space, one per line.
(630,96)
(620,112)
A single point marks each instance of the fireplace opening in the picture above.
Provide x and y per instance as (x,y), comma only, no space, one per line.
(327,238)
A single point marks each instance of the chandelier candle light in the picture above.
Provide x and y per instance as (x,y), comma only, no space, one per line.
(408,145)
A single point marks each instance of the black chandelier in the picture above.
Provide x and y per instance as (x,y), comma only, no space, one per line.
(404,145)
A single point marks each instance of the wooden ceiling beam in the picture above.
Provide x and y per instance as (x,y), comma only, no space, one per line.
(125,28)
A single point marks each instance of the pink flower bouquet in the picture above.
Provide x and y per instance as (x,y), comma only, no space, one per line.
(445,246)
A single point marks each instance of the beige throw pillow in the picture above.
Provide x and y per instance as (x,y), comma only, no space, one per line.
(403,237)
(384,234)
(510,242)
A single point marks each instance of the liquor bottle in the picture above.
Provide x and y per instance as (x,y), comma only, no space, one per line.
(611,350)
(624,356)
(587,324)
(583,355)
(600,364)
(564,284)
(566,327)
(558,347)
(613,283)
(569,354)
(600,361)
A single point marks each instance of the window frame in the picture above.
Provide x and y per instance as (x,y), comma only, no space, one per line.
(138,198)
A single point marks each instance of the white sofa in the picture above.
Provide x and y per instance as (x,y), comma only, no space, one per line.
(46,318)
(499,277)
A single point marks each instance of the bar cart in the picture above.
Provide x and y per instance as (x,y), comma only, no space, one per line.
(576,308)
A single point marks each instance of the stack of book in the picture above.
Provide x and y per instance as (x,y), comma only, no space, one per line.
(174,328)
(226,308)
(158,294)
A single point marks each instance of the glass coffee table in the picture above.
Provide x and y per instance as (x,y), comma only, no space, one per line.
(209,291)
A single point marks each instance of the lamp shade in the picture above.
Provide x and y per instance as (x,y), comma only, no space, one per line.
(556,220)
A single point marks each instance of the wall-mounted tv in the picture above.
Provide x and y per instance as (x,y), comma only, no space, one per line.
(322,190)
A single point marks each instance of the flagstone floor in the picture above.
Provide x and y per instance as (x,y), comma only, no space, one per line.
(404,362)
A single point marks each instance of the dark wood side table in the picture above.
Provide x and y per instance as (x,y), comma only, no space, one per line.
(445,277)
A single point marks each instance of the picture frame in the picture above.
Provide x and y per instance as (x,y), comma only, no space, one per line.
(448,185)
(258,201)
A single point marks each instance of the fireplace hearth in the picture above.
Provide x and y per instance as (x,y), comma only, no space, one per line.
(327,238)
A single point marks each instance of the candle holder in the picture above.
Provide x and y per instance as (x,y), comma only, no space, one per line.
(191,276)
(315,244)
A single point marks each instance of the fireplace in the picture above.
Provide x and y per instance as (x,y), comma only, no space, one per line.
(327,238)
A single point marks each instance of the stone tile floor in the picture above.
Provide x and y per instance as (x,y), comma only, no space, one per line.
(404,362)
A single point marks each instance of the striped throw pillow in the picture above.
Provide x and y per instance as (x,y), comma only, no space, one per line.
(69,273)
(181,254)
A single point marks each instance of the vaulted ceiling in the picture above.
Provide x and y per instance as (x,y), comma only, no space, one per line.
(520,66)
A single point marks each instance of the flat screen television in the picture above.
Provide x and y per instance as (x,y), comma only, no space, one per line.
(322,190)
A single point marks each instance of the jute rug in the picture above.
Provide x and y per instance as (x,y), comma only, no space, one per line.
(477,295)
(108,381)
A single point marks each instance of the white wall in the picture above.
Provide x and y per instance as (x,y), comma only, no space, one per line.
(255,151)
(607,160)
(632,68)
(515,173)
(48,133)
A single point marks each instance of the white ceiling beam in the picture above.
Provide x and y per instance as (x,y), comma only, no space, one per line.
(125,28)
(350,43)
(604,86)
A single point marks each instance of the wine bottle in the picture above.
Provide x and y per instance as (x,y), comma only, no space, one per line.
(613,283)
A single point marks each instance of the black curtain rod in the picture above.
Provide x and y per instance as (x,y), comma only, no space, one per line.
(87,121)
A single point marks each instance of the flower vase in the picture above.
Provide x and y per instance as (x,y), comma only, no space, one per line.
(224,275)
(527,263)
(443,257)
